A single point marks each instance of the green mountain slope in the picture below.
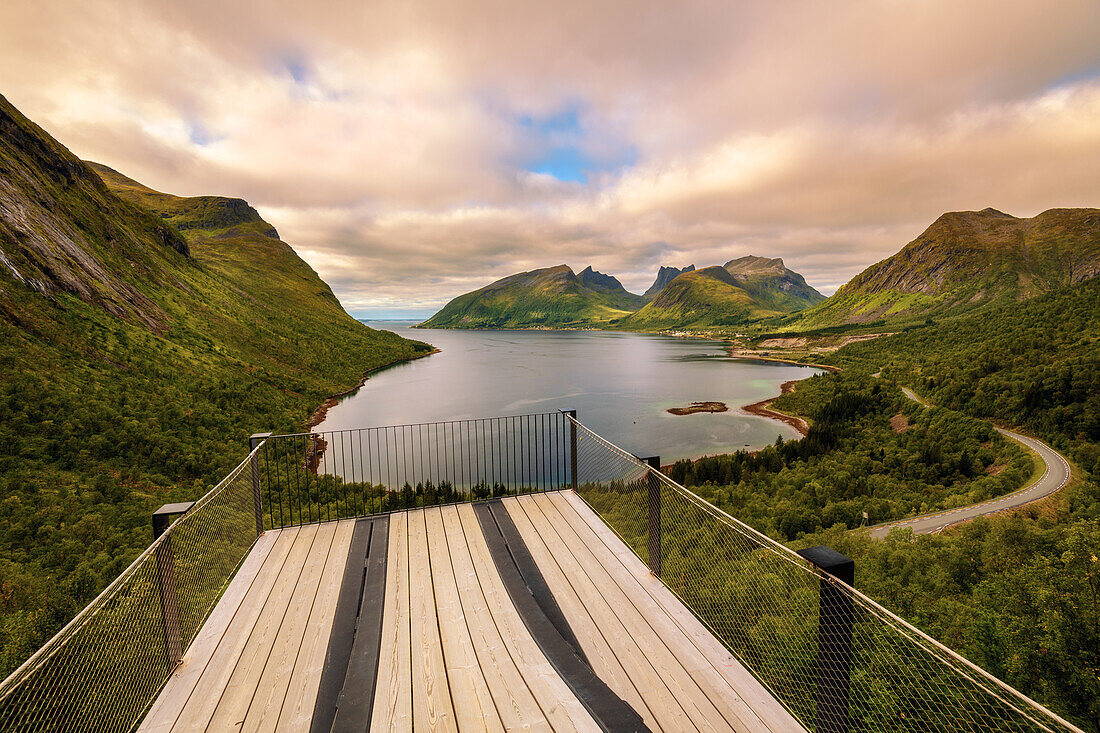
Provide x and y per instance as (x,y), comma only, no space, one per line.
(772,285)
(134,362)
(965,262)
(745,289)
(550,297)
(665,275)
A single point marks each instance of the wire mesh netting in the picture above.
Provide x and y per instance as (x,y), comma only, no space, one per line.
(103,670)
(321,476)
(836,659)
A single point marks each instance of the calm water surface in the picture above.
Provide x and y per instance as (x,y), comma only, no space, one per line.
(619,383)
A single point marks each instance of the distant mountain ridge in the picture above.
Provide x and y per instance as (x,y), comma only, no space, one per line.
(748,288)
(744,289)
(664,276)
(548,297)
(143,337)
(964,262)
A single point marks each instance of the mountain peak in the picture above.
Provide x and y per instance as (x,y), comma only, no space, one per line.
(665,275)
(599,281)
(753,265)
(967,260)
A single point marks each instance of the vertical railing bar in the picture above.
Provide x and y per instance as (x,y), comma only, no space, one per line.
(302,476)
(289,479)
(392,459)
(374,456)
(538,453)
(270,493)
(340,483)
(527,446)
(494,444)
(362,472)
(322,466)
(475,453)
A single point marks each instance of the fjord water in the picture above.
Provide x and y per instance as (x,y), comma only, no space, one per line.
(619,383)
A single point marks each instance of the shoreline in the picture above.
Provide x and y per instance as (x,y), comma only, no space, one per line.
(763,409)
(319,414)
(792,362)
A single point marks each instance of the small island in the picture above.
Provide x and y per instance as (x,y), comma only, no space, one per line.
(699,407)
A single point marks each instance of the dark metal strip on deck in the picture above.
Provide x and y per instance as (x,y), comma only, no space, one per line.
(345,698)
(544,619)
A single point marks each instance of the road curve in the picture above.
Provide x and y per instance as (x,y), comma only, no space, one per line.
(1055,476)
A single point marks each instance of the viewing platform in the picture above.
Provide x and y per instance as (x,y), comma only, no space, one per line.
(447,647)
(495,574)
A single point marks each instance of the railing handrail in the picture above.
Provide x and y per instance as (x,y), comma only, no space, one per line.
(884,613)
(416,424)
(46,651)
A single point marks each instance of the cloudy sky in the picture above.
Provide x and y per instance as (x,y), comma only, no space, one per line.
(411,151)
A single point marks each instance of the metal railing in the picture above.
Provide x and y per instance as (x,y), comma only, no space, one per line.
(836,659)
(320,476)
(105,667)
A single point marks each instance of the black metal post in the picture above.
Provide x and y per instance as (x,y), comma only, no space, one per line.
(166,578)
(257,501)
(834,639)
(654,490)
(572,447)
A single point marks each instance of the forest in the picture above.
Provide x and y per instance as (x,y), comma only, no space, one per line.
(1017,592)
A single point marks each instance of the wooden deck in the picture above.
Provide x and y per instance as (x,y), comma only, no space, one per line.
(454,651)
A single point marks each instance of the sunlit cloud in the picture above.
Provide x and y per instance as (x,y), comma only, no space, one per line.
(413,151)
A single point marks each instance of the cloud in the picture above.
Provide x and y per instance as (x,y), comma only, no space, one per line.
(412,151)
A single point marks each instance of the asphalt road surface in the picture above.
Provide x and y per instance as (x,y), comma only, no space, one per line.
(1054,477)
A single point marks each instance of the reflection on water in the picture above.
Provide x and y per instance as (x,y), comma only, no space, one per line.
(619,383)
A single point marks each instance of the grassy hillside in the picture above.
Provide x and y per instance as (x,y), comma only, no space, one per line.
(665,275)
(551,297)
(1017,592)
(966,262)
(1034,364)
(134,362)
(743,290)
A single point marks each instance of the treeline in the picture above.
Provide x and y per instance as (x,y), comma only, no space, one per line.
(1034,364)
(854,467)
(1017,593)
(102,421)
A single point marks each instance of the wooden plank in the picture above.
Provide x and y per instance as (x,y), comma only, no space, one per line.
(342,635)
(263,711)
(200,705)
(600,655)
(237,694)
(432,708)
(473,704)
(700,709)
(515,704)
(297,708)
(354,700)
(393,690)
(162,715)
(509,553)
(558,703)
(747,696)
(622,632)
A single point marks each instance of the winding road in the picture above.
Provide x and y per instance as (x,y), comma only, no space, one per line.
(1055,476)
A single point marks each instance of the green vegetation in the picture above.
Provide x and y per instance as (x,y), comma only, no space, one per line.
(134,363)
(853,461)
(966,262)
(553,297)
(741,291)
(744,290)
(1016,593)
(700,299)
